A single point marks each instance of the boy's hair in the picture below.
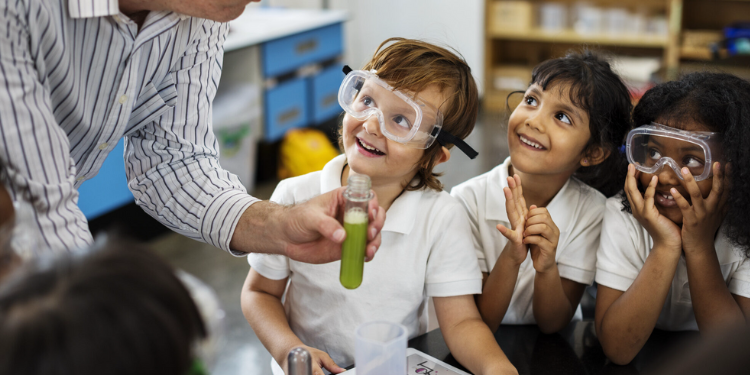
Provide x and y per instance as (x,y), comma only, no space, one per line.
(120,310)
(721,102)
(596,89)
(413,65)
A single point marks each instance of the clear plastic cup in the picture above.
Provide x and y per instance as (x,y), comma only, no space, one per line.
(380,348)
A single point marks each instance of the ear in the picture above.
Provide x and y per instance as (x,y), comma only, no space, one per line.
(443,156)
(594,156)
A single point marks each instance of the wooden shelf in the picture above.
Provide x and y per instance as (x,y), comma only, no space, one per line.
(570,36)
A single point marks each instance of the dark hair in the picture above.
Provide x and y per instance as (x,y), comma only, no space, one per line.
(596,89)
(120,310)
(720,102)
(409,64)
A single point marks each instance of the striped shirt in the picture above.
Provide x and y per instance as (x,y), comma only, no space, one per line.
(75,77)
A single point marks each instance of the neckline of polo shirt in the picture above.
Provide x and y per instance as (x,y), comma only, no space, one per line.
(561,207)
(400,216)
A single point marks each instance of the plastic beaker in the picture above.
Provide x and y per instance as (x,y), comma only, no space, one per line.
(380,348)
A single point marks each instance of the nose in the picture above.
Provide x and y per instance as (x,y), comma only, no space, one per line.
(667,176)
(372,125)
(534,121)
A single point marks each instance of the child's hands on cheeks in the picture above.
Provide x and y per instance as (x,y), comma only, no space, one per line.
(320,360)
(701,220)
(515,206)
(662,230)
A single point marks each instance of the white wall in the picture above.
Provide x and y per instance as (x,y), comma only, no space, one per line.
(457,23)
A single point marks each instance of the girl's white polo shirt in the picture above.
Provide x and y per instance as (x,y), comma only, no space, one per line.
(426,251)
(626,244)
(577,211)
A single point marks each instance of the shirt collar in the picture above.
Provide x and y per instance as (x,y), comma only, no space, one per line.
(561,207)
(401,215)
(93,8)
(725,251)
(99,8)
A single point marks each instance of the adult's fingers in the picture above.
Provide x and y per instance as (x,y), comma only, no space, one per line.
(330,228)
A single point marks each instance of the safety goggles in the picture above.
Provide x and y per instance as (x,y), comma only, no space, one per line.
(651,147)
(403,117)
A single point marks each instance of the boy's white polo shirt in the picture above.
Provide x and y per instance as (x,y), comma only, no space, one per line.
(426,251)
(577,211)
(626,244)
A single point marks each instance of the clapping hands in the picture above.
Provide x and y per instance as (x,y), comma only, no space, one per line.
(532,229)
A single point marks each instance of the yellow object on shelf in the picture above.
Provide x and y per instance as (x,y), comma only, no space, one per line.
(304,151)
(516,16)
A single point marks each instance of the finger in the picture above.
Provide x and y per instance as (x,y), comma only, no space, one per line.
(725,184)
(539,230)
(330,365)
(510,206)
(648,196)
(521,199)
(508,233)
(631,189)
(695,192)
(717,187)
(539,241)
(377,218)
(372,248)
(688,214)
(330,228)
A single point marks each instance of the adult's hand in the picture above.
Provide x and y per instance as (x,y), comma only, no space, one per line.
(308,232)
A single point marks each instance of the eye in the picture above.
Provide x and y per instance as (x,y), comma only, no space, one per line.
(530,100)
(654,154)
(402,121)
(692,162)
(563,117)
(367,101)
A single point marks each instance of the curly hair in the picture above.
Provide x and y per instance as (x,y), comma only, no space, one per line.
(413,65)
(595,88)
(721,102)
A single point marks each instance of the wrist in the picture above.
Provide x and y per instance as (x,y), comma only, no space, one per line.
(499,367)
(548,272)
(260,229)
(507,260)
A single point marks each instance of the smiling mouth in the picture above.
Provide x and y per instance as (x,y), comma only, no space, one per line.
(531,143)
(369,148)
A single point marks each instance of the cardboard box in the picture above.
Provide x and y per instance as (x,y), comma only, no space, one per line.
(511,16)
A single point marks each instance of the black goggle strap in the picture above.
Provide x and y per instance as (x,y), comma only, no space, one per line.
(445,138)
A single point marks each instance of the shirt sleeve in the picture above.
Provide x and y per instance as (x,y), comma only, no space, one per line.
(468,200)
(577,261)
(618,259)
(452,268)
(740,283)
(172,163)
(34,149)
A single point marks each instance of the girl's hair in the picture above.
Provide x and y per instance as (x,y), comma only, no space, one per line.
(414,65)
(119,310)
(596,89)
(721,102)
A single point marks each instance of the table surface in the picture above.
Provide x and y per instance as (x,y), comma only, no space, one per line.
(574,350)
(259,25)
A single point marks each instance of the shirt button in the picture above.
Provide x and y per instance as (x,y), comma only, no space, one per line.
(123,99)
(79,179)
(117,18)
(103,145)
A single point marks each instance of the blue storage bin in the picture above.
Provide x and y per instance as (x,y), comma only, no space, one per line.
(108,190)
(324,90)
(286,108)
(287,54)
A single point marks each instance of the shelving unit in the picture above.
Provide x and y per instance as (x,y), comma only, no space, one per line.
(515,51)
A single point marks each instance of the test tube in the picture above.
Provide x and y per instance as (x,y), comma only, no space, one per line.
(357,196)
(299,362)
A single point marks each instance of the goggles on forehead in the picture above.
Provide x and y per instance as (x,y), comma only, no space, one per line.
(403,118)
(651,147)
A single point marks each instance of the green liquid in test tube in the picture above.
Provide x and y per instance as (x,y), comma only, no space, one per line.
(357,196)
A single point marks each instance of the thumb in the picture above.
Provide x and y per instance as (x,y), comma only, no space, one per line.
(330,365)
(330,228)
(506,232)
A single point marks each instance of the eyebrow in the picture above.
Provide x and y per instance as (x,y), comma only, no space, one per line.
(570,109)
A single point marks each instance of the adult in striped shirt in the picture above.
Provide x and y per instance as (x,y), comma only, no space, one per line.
(78,75)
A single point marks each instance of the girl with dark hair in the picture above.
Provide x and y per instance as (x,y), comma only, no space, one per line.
(674,244)
(119,310)
(563,140)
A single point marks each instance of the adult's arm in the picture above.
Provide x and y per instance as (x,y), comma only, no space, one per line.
(34,149)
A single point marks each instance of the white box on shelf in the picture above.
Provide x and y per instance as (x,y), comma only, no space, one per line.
(237,125)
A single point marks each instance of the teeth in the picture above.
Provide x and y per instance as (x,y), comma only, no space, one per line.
(666,196)
(368,147)
(530,143)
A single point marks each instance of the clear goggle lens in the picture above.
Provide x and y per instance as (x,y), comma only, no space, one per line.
(650,153)
(402,118)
